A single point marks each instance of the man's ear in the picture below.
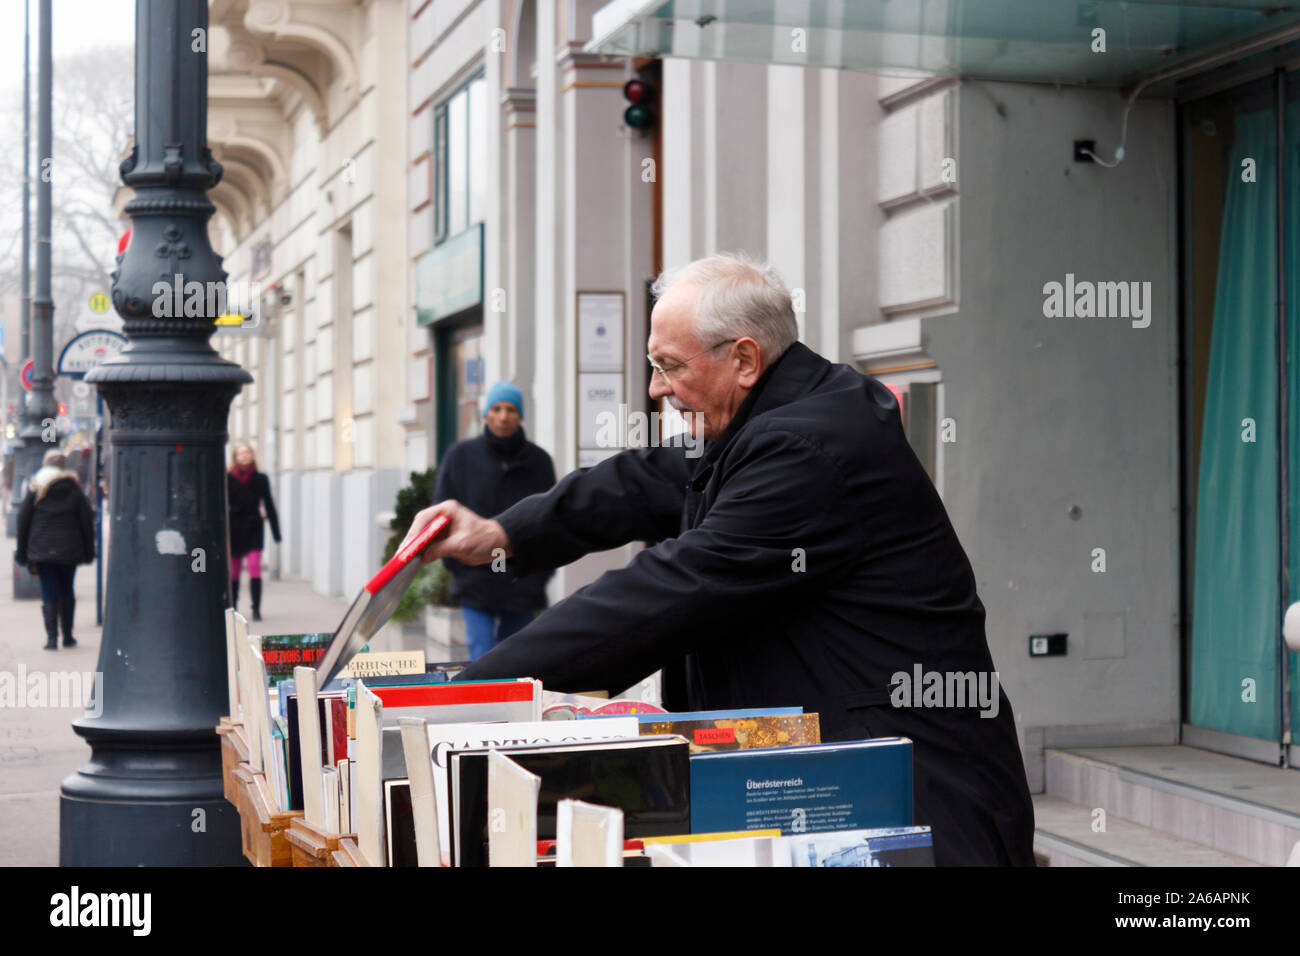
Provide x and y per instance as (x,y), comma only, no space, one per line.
(749,362)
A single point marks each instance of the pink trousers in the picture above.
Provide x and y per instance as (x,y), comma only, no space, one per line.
(254,565)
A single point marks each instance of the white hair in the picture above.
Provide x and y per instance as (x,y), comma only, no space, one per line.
(739,297)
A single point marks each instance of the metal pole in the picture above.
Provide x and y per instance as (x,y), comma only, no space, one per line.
(40,409)
(151,794)
(98,477)
(22,587)
(27,180)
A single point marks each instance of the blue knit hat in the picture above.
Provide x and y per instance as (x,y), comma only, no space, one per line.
(504,392)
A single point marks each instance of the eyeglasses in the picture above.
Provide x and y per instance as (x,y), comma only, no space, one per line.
(663,372)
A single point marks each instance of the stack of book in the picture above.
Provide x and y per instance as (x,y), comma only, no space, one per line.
(403,767)
(338,757)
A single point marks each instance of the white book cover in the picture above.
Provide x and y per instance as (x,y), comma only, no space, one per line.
(344,768)
(512,812)
(424,808)
(247,650)
(368,785)
(587,834)
(444,738)
(314,809)
(329,797)
(232,662)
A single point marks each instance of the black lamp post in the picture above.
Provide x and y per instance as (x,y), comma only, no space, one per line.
(151,794)
(38,405)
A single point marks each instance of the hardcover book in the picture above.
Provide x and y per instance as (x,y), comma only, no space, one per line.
(375,604)
(283,652)
(647,778)
(462,701)
(838,786)
(444,739)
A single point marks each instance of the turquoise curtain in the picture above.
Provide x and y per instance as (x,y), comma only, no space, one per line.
(1291,263)
(1235,619)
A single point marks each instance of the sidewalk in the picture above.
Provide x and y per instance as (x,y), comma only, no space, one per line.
(38,747)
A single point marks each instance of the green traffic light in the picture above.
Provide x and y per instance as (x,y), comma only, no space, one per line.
(636,117)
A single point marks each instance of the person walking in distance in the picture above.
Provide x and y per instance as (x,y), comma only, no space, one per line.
(490,473)
(56,532)
(250,505)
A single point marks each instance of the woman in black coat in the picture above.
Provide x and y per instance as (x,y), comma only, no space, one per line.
(249,492)
(56,532)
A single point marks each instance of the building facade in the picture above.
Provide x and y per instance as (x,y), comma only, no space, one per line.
(456,197)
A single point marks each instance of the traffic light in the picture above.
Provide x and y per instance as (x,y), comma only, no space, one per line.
(63,408)
(640,95)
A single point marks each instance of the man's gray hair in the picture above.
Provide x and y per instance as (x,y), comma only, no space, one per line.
(739,296)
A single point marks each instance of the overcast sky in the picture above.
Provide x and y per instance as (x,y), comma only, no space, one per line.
(79,25)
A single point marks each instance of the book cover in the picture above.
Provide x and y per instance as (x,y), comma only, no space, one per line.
(715,734)
(838,786)
(283,652)
(462,701)
(889,846)
(385,664)
(886,846)
(375,603)
(444,739)
(647,778)
(661,715)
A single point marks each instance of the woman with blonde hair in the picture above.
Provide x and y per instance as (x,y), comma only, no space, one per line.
(249,493)
(56,532)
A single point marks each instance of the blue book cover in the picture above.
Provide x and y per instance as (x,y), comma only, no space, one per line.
(658,718)
(852,785)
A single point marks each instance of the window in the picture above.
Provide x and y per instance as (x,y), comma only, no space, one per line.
(460,159)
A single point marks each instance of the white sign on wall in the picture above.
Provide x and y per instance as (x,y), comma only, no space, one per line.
(597,392)
(600,332)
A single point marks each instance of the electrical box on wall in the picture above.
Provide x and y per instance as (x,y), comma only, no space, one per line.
(1046,645)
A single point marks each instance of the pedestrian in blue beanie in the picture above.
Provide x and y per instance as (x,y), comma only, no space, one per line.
(489,474)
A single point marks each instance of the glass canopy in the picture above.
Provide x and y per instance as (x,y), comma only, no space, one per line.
(1049,41)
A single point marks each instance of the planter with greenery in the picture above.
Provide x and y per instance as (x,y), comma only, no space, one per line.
(432,586)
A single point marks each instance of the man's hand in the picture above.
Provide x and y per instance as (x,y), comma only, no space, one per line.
(468,538)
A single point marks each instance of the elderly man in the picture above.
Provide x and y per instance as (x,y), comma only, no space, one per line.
(804,559)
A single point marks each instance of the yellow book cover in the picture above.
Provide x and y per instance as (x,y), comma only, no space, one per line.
(741,733)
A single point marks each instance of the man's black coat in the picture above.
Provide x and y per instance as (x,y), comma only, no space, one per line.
(803,560)
(488,474)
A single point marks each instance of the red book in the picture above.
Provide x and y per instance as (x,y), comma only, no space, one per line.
(374,605)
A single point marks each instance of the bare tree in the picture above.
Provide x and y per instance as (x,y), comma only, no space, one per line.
(93,103)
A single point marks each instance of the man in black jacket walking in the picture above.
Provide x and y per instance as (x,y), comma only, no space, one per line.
(805,559)
(489,474)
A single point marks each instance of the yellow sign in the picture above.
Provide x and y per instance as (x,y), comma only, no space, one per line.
(230,318)
(99,303)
